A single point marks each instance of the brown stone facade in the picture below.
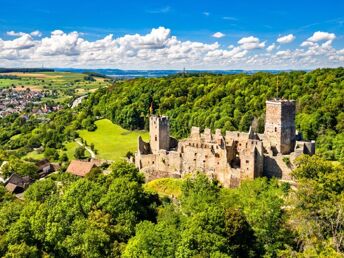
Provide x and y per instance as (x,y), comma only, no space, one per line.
(229,158)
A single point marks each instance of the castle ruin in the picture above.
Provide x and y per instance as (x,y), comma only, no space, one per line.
(229,158)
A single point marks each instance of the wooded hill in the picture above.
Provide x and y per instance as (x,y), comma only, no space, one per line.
(231,102)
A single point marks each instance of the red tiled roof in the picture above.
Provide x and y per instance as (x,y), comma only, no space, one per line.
(80,168)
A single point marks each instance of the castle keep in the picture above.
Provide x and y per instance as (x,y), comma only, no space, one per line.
(229,158)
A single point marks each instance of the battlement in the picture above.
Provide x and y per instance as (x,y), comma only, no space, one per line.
(280,101)
(162,120)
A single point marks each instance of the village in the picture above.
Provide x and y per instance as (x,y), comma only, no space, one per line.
(19,100)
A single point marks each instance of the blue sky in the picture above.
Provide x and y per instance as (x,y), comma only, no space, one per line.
(194,21)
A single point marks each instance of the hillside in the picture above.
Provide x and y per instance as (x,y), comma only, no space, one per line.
(231,102)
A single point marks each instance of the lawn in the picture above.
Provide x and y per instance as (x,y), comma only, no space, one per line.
(112,141)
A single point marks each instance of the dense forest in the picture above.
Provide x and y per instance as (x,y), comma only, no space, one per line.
(231,102)
(114,216)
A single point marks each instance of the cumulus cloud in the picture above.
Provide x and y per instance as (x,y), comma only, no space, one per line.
(271,47)
(320,35)
(15,34)
(218,35)
(251,42)
(319,41)
(35,33)
(286,39)
(160,49)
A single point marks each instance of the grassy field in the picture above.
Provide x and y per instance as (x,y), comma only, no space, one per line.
(165,186)
(112,141)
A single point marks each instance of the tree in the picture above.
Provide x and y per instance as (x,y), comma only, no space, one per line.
(79,152)
(22,250)
(23,168)
(51,154)
(319,204)
(41,190)
(63,157)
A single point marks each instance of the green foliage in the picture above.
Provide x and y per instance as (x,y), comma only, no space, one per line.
(319,204)
(112,215)
(198,193)
(19,167)
(22,250)
(41,190)
(79,152)
(65,216)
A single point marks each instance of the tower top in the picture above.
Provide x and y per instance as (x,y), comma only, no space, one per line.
(279,101)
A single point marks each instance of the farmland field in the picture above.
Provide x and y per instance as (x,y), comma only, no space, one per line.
(111,141)
(64,84)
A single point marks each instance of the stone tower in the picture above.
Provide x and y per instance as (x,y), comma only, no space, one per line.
(159,132)
(280,125)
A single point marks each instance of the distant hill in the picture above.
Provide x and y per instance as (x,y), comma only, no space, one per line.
(129,74)
(25,70)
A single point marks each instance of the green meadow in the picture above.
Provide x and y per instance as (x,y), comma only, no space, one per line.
(111,141)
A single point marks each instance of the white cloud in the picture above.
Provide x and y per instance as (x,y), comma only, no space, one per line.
(271,47)
(251,42)
(319,36)
(206,13)
(218,35)
(307,44)
(286,39)
(319,42)
(36,33)
(159,49)
(15,34)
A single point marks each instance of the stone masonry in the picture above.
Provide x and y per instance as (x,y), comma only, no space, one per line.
(229,158)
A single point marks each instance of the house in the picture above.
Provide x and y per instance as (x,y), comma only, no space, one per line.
(17,184)
(82,168)
(45,167)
